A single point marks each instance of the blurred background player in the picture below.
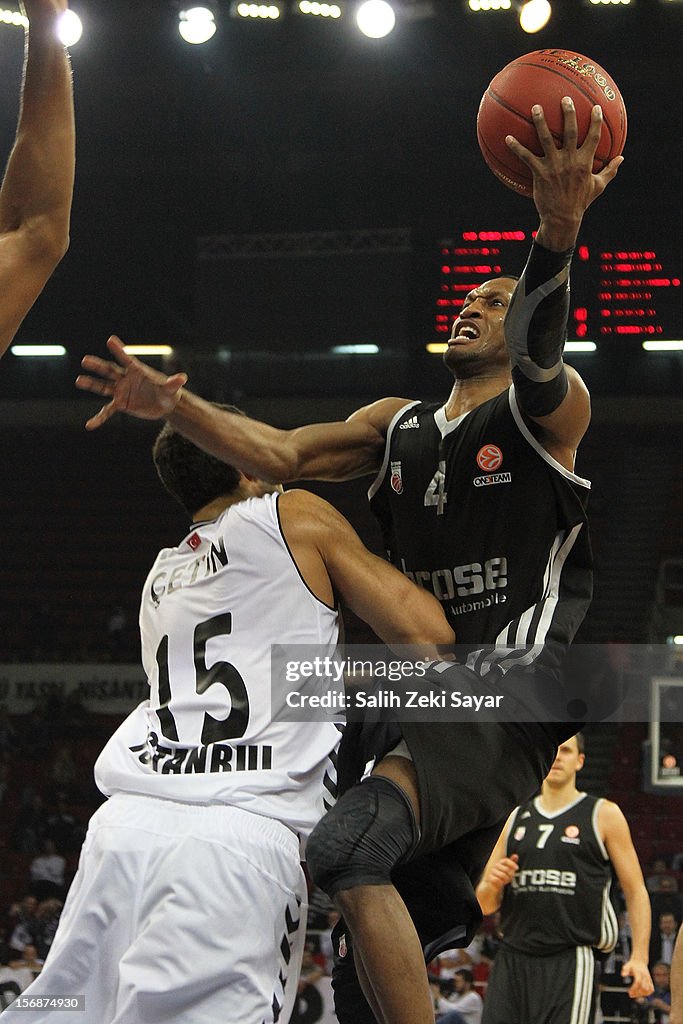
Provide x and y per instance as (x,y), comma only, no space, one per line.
(36,192)
(189,901)
(550,874)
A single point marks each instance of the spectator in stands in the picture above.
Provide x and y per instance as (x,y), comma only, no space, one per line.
(8,734)
(47,919)
(463,1006)
(24,923)
(658,870)
(667,899)
(62,772)
(4,780)
(31,826)
(46,872)
(63,827)
(663,939)
(28,960)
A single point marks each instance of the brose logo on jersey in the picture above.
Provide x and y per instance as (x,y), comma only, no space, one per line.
(544,880)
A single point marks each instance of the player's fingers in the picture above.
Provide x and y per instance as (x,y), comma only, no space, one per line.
(117,349)
(569,131)
(105,413)
(590,143)
(103,367)
(175,383)
(542,130)
(98,387)
(525,155)
(608,173)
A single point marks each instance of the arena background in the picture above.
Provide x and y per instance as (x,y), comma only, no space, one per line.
(288,188)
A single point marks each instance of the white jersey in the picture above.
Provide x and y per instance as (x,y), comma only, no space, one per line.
(211,608)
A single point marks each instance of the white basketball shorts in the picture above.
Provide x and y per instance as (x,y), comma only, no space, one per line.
(178,913)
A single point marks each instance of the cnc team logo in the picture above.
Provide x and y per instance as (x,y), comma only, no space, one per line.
(396,478)
(489,458)
(571,835)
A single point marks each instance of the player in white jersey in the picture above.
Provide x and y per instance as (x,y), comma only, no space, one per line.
(35,198)
(189,904)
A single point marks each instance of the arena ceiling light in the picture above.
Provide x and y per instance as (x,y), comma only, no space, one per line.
(197,25)
(263,12)
(69,28)
(319,10)
(148,350)
(13,18)
(663,346)
(489,5)
(40,351)
(376,18)
(535,15)
(355,350)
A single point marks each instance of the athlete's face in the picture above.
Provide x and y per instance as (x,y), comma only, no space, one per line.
(477,336)
(568,761)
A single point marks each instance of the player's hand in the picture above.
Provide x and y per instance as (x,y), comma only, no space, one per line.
(132,386)
(641,984)
(502,873)
(564,183)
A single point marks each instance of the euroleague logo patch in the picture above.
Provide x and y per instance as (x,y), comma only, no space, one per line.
(571,835)
(489,458)
(396,478)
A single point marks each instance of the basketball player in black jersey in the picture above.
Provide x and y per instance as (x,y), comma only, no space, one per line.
(35,198)
(488,474)
(550,874)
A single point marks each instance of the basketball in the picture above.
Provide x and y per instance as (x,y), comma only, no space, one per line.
(544,77)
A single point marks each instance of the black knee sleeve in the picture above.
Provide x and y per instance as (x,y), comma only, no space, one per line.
(368,832)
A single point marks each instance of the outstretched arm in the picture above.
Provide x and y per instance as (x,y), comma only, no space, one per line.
(323,451)
(35,197)
(332,558)
(552,395)
(617,838)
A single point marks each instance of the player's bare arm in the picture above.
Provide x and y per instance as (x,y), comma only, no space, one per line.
(35,198)
(499,872)
(616,836)
(324,451)
(333,560)
(551,395)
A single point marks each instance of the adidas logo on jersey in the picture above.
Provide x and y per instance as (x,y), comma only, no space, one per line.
(411,424)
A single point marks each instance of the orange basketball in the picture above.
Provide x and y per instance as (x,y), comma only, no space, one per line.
(544,77)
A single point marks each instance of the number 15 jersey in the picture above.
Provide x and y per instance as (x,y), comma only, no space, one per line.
(211,609)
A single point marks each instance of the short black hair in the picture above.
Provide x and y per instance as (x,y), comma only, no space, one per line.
(191,476)
(467,974)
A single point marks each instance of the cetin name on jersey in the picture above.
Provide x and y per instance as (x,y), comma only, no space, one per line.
(462,580)
(544,880)
(215,559)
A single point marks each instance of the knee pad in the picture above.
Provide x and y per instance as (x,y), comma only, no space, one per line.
(369,831)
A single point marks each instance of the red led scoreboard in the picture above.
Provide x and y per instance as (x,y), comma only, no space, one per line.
(617,291)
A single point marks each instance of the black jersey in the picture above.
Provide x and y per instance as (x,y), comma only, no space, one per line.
(475,510)
(559,897)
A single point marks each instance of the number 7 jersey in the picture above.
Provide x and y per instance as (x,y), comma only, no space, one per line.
(211,609)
